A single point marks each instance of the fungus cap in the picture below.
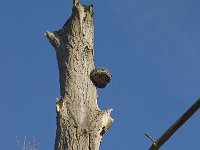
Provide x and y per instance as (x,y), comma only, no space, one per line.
(100,77)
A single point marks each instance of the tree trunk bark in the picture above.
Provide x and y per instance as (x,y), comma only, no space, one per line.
(80,122)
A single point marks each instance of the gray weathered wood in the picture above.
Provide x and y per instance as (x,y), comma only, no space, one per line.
(80,122)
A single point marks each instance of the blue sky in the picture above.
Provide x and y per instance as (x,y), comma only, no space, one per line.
(151,47)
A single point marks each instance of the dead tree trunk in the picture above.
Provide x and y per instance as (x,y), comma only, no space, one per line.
(80,122)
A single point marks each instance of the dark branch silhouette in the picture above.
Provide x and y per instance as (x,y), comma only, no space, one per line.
(173,128)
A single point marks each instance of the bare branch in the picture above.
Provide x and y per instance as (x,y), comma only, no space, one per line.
(169,132)
(52,38)
(147,135)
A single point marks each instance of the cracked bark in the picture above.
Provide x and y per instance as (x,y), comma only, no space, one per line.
(80,122)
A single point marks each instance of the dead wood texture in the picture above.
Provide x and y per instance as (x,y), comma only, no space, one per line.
(80,122)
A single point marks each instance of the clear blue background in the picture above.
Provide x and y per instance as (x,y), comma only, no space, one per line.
(152,48)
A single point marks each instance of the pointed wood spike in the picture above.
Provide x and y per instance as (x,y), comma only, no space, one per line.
(76,2)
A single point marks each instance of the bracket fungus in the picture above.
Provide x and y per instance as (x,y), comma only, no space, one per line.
(100,77)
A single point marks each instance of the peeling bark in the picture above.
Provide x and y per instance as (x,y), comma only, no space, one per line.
(80,122)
